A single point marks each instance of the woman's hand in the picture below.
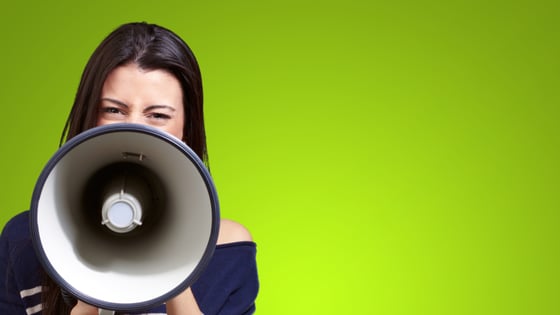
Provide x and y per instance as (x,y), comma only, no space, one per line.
(84,309)
(183,304)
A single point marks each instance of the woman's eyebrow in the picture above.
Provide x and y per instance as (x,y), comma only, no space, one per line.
(148,108)
(117,102)
(152,107)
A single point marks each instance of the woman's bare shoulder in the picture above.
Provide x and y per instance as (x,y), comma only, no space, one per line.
(231,232)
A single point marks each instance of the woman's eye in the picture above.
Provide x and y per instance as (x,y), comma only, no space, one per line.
(159,116)
(111,110)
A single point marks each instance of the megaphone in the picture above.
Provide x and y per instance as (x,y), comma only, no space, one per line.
(124,217)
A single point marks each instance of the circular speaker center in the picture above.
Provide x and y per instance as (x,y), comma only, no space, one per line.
(121,214)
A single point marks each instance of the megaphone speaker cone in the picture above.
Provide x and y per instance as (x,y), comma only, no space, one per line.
(124,217)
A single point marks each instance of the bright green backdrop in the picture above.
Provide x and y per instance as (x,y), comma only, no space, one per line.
(389,157)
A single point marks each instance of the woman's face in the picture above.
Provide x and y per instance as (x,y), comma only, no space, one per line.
(148,97)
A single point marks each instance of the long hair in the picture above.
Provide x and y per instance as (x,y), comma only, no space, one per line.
(150,47)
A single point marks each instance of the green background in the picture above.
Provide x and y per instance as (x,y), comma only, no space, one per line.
(389,157)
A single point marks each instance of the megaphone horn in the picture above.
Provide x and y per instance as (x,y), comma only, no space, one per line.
(124,217)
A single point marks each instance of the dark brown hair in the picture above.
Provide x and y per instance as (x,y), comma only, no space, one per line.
(151,47)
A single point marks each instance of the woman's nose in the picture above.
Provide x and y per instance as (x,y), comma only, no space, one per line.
(134,119)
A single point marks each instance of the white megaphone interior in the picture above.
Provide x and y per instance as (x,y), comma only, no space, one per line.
(102,268)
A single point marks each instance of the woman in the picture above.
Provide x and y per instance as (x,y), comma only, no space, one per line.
(141,73)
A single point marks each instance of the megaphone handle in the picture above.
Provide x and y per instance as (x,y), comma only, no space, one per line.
(106,312)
